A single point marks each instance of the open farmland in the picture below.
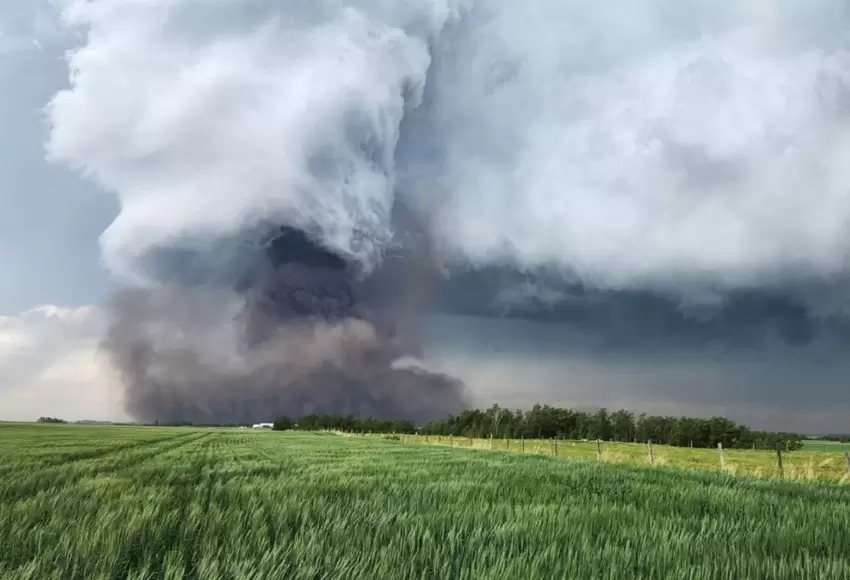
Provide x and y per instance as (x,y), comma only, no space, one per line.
(822,445)
(822,461)
(119,502)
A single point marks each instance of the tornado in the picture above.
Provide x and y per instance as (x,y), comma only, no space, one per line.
(297,179)
(304,332)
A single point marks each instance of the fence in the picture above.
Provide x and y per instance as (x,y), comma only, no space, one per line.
(803,464)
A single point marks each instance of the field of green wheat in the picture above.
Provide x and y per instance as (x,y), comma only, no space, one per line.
(821,445)
(122,502)
(823,461)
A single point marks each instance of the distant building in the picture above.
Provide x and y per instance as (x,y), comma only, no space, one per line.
(263,426)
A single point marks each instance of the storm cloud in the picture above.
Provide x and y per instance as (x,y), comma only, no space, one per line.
(666,181)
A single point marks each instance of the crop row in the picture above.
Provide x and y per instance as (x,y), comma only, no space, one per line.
(244,504)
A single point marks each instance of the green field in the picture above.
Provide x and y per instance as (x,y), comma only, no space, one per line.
(818,445)
(121,502)
(823,461)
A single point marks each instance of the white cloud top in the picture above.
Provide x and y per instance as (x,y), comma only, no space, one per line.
(641,145)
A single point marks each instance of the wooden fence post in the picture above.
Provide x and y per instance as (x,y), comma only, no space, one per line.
(598,450)
(651,456)
(556,447)
(522,443)
(491,441)
(452,439)
(779,459)
(720,451)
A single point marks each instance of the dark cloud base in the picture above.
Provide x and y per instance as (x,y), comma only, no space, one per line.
(519,362)
(644,319)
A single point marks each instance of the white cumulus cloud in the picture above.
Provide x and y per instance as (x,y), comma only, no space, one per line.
(647,144)
(640,145)
(207,115)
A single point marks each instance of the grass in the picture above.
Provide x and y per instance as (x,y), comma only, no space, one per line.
(813,462)
(105,502)
(820,445)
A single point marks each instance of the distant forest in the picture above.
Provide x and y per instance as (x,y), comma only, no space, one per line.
(546,422)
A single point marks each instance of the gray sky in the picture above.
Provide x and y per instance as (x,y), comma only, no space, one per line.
(50,218)
(650,160)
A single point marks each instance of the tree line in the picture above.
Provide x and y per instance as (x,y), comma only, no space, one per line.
(547,422)
(347,423)
(50,420)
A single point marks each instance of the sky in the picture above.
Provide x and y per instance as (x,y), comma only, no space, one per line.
(50,220)
(705,275)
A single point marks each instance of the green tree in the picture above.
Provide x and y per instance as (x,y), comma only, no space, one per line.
(601,426)
(623,425)
(283,424)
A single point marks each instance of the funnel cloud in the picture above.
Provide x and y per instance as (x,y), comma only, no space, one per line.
(303,184)
(299,333)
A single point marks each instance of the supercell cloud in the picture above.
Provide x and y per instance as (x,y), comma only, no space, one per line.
(662,144)
(656,143)
(661,169)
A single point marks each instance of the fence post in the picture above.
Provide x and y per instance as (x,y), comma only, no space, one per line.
(779,460)
(508,444)
(556,447)
(452,440)
(847,459)
(651,456)
(491,441)
(720,451)
(522,442)
(598,450)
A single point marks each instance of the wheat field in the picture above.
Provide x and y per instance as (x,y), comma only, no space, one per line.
(125,502)
(815,462)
